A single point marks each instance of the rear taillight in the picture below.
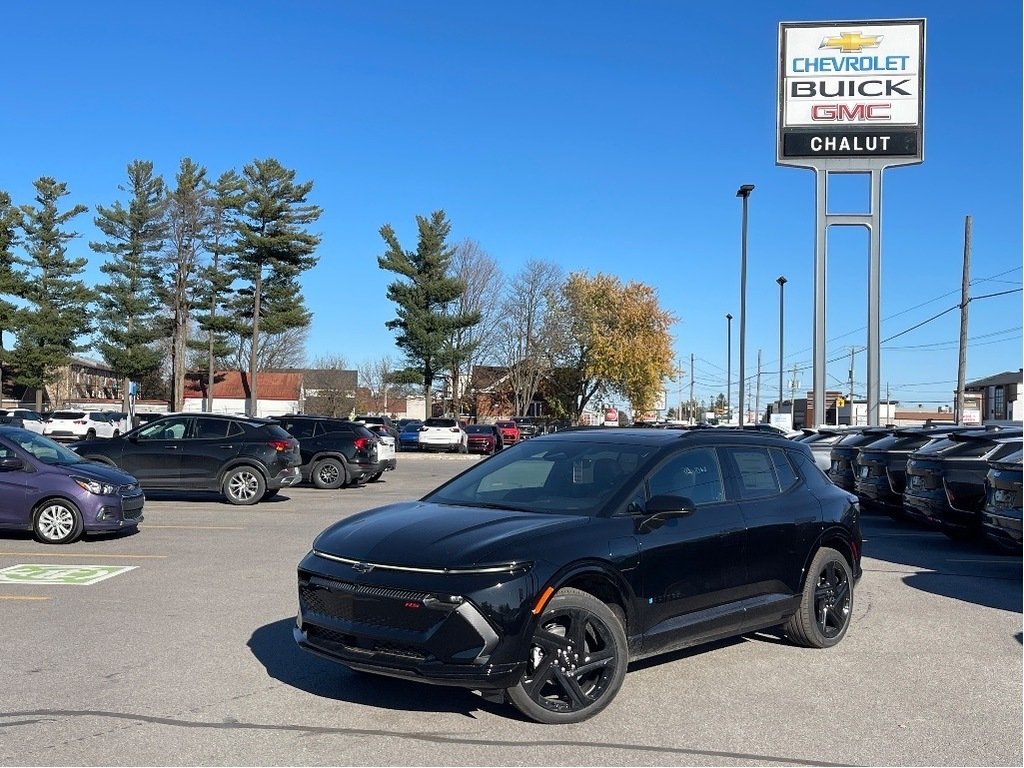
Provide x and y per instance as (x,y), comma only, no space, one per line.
(423,429)
(280,445)
(83,421)
(361,443)
(454,429)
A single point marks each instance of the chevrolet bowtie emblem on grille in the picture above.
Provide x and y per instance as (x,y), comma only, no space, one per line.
(362,567)
(851,42)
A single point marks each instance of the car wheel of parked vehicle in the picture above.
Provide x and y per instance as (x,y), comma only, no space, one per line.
(375,477)
(578,657)
(329,474)
(463,448)
(57,522)
(243,485)
(90,434)
(827,602)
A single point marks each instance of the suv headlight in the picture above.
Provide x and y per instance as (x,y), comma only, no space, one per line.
(95,486)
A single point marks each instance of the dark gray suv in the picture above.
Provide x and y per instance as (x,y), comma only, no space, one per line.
(245,459)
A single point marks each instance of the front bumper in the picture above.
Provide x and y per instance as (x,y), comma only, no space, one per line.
(118,513)
(412,626)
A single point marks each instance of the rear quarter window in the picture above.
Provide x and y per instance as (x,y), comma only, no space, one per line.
(755,472)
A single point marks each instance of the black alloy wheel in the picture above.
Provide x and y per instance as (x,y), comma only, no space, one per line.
(578,658)
(827,602)
(329,473)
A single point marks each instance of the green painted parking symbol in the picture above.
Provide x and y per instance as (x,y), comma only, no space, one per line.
(81,575)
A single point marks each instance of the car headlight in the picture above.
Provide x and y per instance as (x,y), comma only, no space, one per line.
(95,486)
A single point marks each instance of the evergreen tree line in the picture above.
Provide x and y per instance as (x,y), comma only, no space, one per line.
(197,274)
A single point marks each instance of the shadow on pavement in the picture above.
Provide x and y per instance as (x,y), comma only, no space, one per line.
(275,648)
(971,571)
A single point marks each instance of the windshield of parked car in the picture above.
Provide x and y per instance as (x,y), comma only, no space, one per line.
(412,426)
(556,476)
(44,449)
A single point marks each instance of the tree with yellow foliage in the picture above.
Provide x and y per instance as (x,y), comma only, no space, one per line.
(616,338)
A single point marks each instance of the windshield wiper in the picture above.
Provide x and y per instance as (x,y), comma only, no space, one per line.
(483,504)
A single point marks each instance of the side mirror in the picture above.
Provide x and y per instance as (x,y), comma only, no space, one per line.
(11,464)
(664,507)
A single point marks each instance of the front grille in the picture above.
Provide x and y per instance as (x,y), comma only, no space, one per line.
(372,606)
(127,490)
(330,639)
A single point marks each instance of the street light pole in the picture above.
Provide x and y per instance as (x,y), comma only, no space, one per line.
(781,280)
(743,192)
(728,369)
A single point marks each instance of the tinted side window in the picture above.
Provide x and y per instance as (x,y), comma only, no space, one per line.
(299,428)
(783,469)
(754,472)
(694,473)
(808,470)
(165,429)
(207,429)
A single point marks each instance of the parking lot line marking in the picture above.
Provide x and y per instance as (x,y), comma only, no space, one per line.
(199,527)
(21,597)
(105,555)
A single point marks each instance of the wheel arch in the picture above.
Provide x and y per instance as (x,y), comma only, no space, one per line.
(242,461)
(600,579)
(833,538)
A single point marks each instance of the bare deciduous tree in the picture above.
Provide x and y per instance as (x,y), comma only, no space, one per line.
(472,345)
(527,337)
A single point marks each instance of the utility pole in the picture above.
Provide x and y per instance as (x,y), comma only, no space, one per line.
(850,399)
(961,372)
(757,398)
(692,420)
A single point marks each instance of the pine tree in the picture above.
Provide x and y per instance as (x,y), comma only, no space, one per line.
(274,248)
(128,307)
(12,281)
(187,224)
(57,314)
(425,319)
(213,299)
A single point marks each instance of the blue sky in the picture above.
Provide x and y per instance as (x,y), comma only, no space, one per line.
(600,136)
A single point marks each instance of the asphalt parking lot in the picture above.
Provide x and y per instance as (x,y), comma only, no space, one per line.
(187,659)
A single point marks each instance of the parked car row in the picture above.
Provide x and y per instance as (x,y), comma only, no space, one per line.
(963,481)
(69,424)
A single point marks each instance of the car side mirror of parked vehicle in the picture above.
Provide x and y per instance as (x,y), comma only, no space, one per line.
(11,464)
(664,507)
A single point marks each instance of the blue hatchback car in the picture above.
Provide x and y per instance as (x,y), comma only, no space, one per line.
(55,493)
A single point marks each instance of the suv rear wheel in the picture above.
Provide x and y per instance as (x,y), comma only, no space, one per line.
(243,486)
(329,473)
(827,602)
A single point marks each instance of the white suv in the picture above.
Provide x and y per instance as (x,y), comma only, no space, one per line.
(445,434)
(24,418)
(79,425)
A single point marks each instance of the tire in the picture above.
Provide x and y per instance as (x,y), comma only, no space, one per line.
(374,478)
(90,434)
(826,605)
(57,522)
(243,486)
(329,473)
(578,657)
(463,448)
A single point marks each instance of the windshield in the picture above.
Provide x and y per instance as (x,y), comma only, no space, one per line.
(44,449)
(559,477)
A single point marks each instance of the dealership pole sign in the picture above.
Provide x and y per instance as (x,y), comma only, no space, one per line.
(851,100)
(851,91)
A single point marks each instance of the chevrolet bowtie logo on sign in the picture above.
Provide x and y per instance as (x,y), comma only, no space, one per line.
(848,90)
(851,42)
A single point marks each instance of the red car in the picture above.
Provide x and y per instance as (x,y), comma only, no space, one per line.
(483,438)
(509,431)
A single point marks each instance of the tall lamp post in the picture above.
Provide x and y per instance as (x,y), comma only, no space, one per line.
(781,280)
(728,369)
(743,192)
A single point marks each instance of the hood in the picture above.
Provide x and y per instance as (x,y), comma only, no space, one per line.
(93,470)
(425,534)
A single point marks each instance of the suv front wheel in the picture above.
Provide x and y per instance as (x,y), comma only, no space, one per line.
(243,486)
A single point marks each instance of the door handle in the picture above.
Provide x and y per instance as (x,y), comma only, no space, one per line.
(170,447)
(225,446)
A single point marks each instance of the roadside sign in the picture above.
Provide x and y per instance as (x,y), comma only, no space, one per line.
(79,575)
